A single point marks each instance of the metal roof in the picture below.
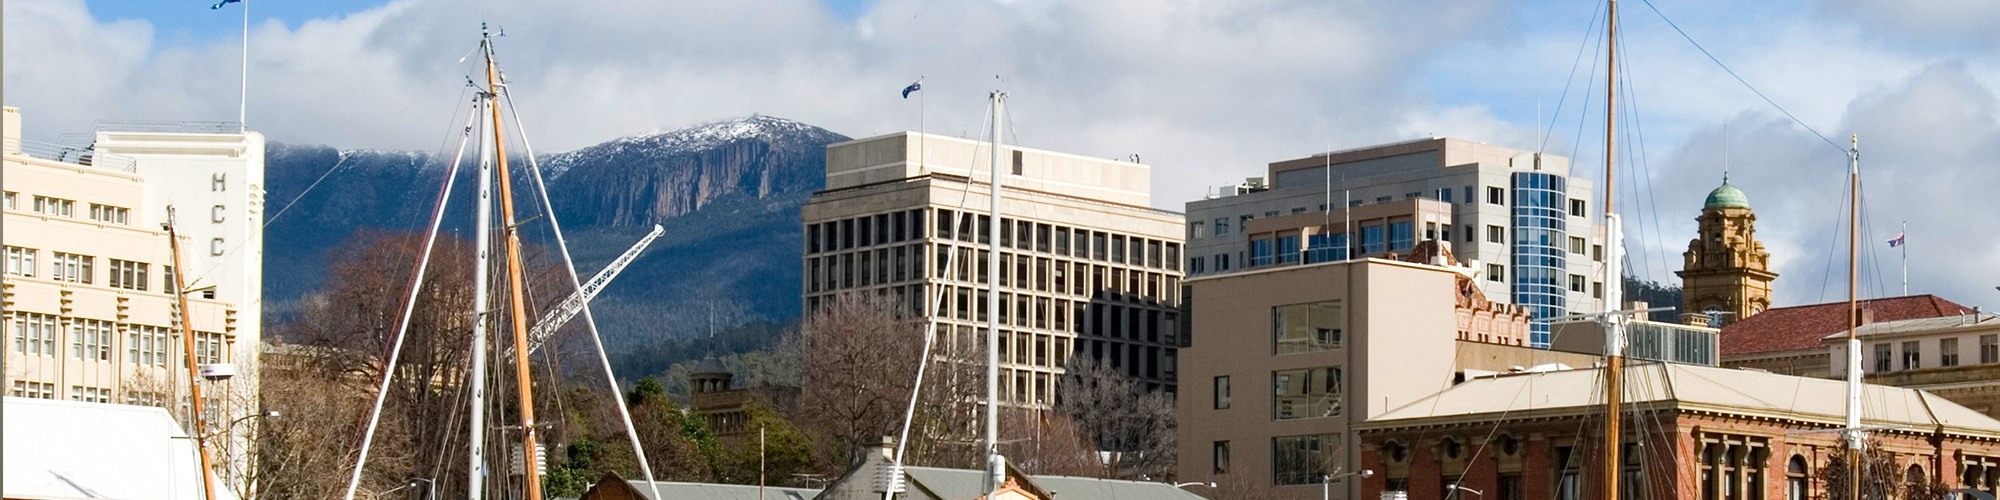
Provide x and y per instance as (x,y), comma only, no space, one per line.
(70,449)
(1806,401)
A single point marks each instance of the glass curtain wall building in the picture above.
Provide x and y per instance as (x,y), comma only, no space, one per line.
(1540,260)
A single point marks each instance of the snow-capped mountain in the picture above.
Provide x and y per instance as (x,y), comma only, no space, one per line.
(639,179)
(729,193)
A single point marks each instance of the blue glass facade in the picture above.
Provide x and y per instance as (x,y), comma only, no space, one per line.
(1540,260)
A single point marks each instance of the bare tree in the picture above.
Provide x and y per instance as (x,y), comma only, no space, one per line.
(1880,479)
(1119,415)
(859,363)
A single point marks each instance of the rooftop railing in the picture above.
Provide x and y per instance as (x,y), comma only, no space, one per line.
(173,127)
(73,155)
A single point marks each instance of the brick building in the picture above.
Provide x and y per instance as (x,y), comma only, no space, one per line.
(1708,433)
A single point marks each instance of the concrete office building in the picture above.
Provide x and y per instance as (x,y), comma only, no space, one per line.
(1284,360)
(1517,213)
(91,312)
(1087,267)
(1955,357)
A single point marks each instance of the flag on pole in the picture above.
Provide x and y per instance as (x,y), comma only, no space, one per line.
(219,5)
(1896,241)
(919,85)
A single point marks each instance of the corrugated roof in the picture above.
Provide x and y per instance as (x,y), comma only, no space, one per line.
(963,483)
(1802,327)
(1806,400)
(71,449)
(670,490)
(1939,324)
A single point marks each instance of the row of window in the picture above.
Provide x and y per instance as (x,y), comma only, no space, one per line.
(37,334)
(1043,274)
(1040,237)
(78,268)
(67,208)
(1947,348)
(1305,459)
(1495,195)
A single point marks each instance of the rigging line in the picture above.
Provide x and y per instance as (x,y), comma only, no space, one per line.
(1496,430)
(1739,78)
(1644,164)
(569,266)
(409,306)
(1589,31)
(309,188)
(1833,243)
(1583,116)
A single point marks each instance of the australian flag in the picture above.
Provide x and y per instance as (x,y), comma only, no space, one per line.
(1896,241)
(919,85)
(219,5)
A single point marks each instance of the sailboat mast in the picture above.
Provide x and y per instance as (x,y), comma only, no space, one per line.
(481,305)
(516,292)
(194,379)
(1855,437)
(996,469)
(1614,342)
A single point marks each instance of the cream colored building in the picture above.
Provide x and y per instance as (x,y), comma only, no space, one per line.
(90,313)
(1088,268)
(1955,357)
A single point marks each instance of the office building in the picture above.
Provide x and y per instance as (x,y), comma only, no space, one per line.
(1087,267)
(91,310)
(1517,214)
(1954,357)
(1283,360)
(1696,433)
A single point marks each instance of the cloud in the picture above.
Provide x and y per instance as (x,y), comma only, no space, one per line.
(1929,142)
(1207,92)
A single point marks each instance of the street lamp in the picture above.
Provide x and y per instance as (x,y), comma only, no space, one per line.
(430,492)
(1461,487)
(1210,484)
(1326,482)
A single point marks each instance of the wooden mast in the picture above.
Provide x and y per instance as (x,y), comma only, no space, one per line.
(1614,362)
(1855,437)
(194,377)
(516,291)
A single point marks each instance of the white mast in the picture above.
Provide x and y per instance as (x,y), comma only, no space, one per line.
(996,464)
(483,243)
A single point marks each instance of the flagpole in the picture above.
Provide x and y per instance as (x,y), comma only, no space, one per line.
(1904,235)
(243,99)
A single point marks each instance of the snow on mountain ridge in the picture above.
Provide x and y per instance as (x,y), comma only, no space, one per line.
(663,143)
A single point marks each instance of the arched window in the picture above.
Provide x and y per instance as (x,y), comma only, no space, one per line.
(1914,477)
(1796,485)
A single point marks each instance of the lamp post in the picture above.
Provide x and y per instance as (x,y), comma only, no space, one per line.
(1461,487)
(1326,482)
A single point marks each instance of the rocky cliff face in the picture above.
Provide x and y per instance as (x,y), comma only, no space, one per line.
(728,193)
(642,179)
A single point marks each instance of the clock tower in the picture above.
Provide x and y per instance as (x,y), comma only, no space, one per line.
(1726,272)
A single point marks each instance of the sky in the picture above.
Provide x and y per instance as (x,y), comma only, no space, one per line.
(1207,92)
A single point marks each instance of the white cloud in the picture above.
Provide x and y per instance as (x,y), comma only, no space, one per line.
(1208,92)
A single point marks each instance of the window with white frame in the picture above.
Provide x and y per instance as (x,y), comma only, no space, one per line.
(37,390)
(210,348)
(55,206)
(72,267)
(89,394)
(90,339)
(21,261)
(128,274)
(146,345)
(34,334)
(111,214)
(13,200)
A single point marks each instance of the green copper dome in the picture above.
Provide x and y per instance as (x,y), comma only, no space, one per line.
(1727,196)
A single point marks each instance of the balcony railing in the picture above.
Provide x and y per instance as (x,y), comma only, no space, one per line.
(73,155)
(172,127)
